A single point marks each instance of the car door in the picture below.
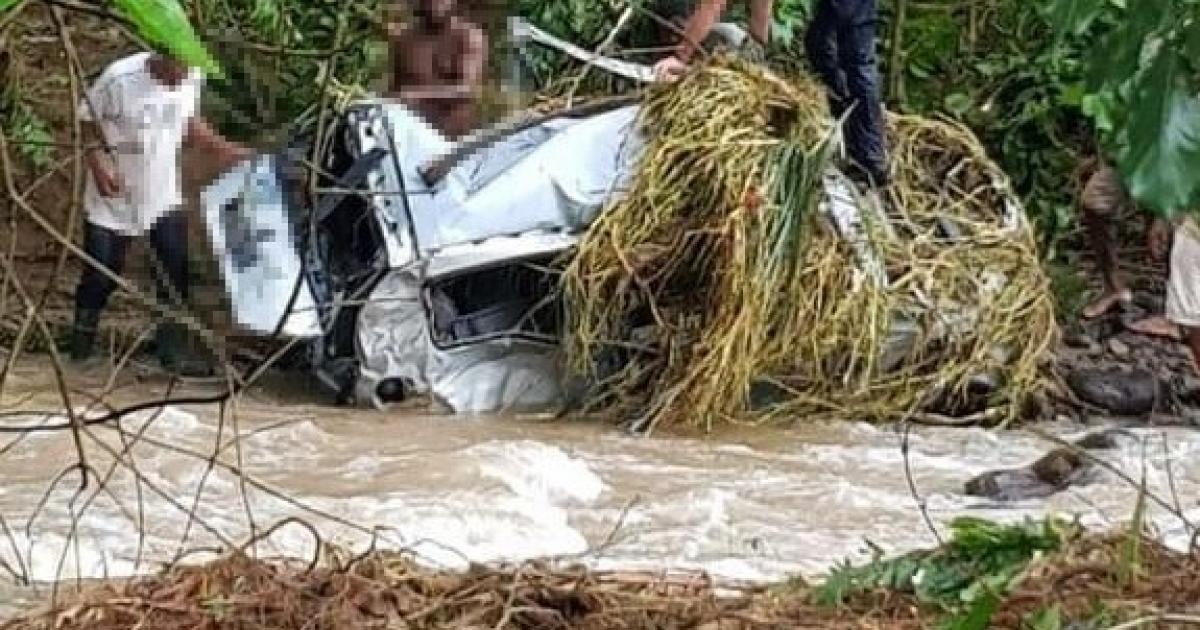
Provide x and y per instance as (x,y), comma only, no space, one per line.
(253,239)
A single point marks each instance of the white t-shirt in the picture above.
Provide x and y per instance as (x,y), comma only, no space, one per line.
(144,122)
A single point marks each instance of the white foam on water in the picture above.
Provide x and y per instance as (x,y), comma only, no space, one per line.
(472,492)
(538,471)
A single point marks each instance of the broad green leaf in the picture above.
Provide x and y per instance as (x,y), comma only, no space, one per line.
(163,23)
(1100,108)
(1073,17)
(1162,159)
(1123,48)
(7,4)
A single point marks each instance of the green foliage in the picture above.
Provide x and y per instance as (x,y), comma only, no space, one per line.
(1003,73)
(275,53)
(1069,286)
(25,129)
(966,577)
(7,4)
(1143,91)
(28,132)
(163,23)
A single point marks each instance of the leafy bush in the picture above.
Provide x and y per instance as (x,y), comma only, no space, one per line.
(966,577)
(1142,91)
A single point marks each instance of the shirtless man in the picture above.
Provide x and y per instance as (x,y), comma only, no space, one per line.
(437,66)
(1102,202)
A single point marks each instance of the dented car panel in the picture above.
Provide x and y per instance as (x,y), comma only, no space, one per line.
(410,289)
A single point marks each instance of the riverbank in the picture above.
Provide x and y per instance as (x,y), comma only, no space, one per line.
(1096,581)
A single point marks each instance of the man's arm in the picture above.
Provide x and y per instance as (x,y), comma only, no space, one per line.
(396,46)
(698,27)
(760,20)
(201,134)
(100,104)
(108,183)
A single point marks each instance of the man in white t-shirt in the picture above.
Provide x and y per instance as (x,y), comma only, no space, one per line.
(140,112)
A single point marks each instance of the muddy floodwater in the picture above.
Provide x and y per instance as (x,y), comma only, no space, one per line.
(757,504)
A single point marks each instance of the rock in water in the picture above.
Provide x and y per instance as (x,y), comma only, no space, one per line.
(1101,440)
(1052,473)
(1123,393)
(1058,468)
(1009,485)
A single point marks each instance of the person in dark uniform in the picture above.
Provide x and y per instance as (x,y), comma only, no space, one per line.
(841,49)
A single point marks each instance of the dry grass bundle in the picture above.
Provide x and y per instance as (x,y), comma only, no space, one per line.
(690,249)
(716,271)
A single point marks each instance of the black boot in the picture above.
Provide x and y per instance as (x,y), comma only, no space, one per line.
(82,345)
(171,344)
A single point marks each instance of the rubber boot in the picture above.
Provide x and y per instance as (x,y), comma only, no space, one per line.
(82,343)
(173,352)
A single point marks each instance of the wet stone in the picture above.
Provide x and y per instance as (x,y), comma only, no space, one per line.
(1124,393)
(1101,440)
(1118,348)
(1008,485)
(1059,467)
(1050,474)
(1079,340)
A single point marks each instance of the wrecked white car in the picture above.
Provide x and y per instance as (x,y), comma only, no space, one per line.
(406,287)
(405,283)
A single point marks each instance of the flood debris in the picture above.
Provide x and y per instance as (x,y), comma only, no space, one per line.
(732,249)
(1020,572)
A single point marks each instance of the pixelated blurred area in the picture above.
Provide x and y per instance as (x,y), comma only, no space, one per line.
(447,60)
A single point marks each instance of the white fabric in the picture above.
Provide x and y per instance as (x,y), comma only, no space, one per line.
(144,122)
(1183,286)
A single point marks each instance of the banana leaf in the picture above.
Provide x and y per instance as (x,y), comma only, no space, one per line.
(163,23)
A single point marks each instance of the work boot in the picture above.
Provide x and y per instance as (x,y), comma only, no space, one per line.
(171,345)
(82,343)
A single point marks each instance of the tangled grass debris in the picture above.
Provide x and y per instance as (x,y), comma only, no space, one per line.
(724,272)
(1030,575)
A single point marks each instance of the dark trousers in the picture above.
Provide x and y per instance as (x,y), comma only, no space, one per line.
(841,48)
(169,243)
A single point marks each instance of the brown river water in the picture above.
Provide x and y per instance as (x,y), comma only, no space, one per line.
(750,504)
